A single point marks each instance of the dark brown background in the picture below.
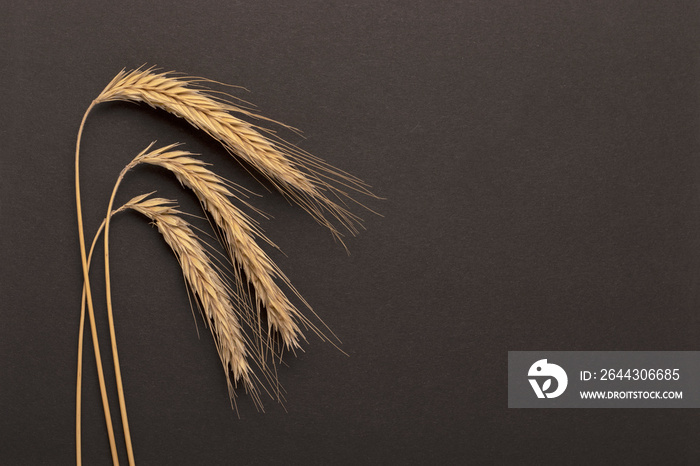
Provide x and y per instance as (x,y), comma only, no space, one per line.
(539,162)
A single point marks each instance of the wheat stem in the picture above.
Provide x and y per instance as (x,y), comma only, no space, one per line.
(98,358)
(112,330)
(79,387)
(88,294)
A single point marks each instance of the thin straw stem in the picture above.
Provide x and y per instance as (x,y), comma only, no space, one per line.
(79,387)
(88,294)
(98,358)
(110,317)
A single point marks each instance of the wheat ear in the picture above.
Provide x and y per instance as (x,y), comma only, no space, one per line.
(306,179)
(205,283)
(238,233)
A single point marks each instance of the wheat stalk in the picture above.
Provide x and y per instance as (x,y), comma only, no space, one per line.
(316,186)
(306,179)
(88,299)
(98,363)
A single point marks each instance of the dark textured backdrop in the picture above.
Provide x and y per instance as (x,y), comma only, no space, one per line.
(540,164)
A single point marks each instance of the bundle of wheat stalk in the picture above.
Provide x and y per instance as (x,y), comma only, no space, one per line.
(229,303)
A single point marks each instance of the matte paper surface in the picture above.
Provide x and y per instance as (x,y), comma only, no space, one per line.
(540,164)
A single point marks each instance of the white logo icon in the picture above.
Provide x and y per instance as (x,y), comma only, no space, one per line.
(543,370)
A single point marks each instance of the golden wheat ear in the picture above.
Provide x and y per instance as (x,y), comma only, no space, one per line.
(304,178)
(206,284)
(238,234)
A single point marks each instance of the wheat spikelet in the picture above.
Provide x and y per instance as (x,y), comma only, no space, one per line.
(238,234)
(304,178)
(205,283)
